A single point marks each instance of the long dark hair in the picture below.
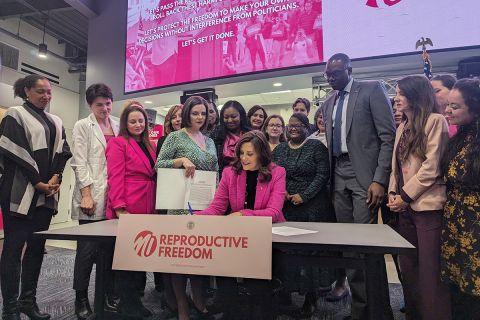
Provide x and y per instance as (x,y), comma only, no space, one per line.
(244,127)
(262,148)
(421,99)
(27,82)
(130,107)
(211,126)
(470,91)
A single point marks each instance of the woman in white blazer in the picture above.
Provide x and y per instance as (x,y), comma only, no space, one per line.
(89,141)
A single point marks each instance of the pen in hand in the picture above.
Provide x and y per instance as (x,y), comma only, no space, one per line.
(190,208)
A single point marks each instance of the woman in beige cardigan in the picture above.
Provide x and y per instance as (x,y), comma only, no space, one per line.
(417,193)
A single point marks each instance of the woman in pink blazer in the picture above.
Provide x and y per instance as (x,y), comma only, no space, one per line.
(417,193)
(130,161)
(131,190)
(252,186)
(253,160)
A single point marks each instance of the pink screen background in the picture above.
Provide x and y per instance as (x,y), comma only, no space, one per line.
(277,34)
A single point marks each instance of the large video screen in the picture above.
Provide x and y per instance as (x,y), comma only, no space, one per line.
(179,41)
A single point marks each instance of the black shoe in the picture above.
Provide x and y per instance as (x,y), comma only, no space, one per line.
(202,314)
(145,311)
(129,312)
(10,309)
(82,309)
(169,312)
(30,308)
(331,297)
(110,304)
(11,316)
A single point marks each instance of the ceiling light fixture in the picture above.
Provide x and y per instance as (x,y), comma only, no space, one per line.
(277,92)
(277,84)
(148,102)
(42,47)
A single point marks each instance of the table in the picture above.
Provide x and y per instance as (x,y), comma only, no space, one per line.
(364,244)
(102,232)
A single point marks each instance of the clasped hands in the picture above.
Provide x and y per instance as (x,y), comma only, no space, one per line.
(50,188)
(396,203)
(296,199)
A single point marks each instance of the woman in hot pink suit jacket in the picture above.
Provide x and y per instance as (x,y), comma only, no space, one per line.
(131,190)
(131,182)
(269,196)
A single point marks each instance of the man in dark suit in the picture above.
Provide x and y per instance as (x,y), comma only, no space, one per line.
(360,135)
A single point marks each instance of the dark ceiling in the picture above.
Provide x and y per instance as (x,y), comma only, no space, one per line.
(65,20)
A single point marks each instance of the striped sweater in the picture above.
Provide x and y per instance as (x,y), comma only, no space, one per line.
(27,157)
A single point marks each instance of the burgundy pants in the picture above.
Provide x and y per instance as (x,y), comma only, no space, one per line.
(426,297)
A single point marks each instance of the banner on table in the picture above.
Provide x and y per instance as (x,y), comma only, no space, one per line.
(202,245)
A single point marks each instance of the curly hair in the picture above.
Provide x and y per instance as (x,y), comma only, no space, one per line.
(470,91)
(167,123)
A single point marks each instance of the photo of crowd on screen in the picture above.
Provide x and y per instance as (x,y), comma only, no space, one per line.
(277,39)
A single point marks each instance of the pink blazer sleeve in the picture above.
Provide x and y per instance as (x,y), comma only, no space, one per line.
(275,198)
(115,153)
(220,201)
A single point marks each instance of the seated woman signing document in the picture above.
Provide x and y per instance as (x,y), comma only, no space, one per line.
(253,185)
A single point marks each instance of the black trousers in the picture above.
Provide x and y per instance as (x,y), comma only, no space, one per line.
(18,231)
(464,306)
(252,299)
(130,284)
(87,252)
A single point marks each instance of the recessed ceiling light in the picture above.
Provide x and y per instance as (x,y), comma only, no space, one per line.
(148,102)
(277,92)
(277,84)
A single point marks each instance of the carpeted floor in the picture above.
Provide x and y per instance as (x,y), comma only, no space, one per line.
(56,296)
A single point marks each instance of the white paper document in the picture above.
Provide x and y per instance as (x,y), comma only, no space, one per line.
(175,191)
(290,231)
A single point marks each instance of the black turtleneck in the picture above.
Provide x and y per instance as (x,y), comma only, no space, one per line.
(51,128)
(251,189)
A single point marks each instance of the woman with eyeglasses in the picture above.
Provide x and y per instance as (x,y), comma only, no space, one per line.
(274,130)
(306,200)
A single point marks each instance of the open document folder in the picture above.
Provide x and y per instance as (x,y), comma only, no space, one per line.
(175,191)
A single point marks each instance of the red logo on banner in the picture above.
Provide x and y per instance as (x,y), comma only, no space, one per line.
(145,243)
(374,3)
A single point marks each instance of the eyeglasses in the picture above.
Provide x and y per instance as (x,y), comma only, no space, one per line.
(334,74)
(272,125)
(295,126)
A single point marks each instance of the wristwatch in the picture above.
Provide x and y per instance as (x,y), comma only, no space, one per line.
(59,176)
